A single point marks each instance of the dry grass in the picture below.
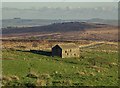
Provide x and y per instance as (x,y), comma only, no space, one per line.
(32,74)
(14,77)
(40,82)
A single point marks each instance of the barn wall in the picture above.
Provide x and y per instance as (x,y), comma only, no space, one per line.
(73,52)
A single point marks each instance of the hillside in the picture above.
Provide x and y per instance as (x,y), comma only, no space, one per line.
(41,22)
(97,66)
(56,27)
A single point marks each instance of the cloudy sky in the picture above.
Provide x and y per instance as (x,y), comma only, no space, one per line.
(60,0)
(60,10)
(58,4)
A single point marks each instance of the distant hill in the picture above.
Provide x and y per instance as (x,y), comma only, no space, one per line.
(103,21)
(27,22)
(56,27)
(41,22)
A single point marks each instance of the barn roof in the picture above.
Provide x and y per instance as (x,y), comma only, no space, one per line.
(67,46)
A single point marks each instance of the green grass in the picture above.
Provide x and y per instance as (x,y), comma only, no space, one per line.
(67,71)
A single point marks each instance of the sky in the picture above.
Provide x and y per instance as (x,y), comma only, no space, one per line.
(24,5)
(59,0)
(60,10)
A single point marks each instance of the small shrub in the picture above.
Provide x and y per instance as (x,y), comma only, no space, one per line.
(14,77)
(41,82)
(57,83)
(67,82)
(14,83)
(5,78)
(45,76)
(92,74)
(49,82)
(76,83)
(80,73)
(32,75)
(30,85)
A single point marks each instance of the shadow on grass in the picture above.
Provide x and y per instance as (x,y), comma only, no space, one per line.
(41,52)
(48,53)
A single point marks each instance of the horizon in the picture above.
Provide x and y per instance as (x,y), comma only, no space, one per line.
(19,18)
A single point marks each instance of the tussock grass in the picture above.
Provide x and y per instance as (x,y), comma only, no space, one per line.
(93,68)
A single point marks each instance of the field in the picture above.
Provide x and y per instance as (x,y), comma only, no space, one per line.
(97,66)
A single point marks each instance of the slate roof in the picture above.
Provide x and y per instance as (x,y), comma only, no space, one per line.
(67,46)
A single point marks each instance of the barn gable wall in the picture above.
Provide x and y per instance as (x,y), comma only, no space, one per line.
(57,51)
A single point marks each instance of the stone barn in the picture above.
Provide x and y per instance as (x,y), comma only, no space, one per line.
(66,50)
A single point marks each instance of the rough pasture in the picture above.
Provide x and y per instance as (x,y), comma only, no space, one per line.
(93,68)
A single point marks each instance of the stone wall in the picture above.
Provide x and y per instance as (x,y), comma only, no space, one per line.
(72,52)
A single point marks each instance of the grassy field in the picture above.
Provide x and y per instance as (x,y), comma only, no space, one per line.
(93,68)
